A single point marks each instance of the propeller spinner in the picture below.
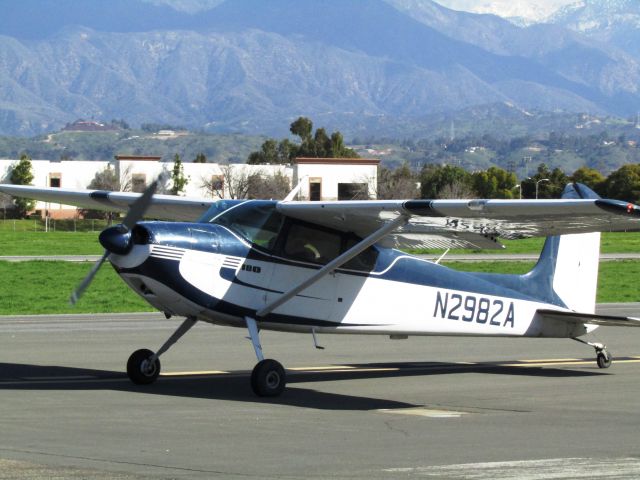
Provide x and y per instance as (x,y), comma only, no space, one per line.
(117,239)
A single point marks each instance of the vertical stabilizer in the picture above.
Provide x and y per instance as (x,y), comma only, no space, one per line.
(567,272)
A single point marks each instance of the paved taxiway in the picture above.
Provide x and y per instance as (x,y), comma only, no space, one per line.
(365,407)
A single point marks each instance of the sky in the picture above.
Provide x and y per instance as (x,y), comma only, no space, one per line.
(532,10)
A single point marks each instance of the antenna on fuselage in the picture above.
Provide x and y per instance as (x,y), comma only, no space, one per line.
(296,189)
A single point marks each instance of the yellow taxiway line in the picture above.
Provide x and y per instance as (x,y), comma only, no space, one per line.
(553,362)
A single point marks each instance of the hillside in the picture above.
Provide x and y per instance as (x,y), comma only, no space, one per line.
(251,66)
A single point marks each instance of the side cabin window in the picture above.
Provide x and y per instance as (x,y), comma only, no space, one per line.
(315,244)
(309,243)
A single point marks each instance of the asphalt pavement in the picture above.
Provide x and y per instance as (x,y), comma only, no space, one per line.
(365,407)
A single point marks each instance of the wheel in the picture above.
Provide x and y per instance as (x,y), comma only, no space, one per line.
(140,370)
(603,359)
(268,379)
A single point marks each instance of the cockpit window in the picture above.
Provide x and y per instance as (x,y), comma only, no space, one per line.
(255,220)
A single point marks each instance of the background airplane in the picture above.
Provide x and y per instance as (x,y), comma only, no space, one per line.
(335,267)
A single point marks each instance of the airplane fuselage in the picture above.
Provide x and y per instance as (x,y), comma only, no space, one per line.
(211,272)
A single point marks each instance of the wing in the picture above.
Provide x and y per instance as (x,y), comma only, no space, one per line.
(469,223)
(168,207)
(590,318)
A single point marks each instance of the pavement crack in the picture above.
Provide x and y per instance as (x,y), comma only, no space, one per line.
(392,428)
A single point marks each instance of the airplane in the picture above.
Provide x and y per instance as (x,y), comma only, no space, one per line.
(335,267)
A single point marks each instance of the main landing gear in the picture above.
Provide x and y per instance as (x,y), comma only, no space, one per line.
(603,357)
(268,378)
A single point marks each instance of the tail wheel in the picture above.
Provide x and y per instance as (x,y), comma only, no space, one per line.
(268,378)
(140,369)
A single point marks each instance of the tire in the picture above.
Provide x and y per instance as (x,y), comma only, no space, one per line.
(603,360)
(139,370)
(268,378)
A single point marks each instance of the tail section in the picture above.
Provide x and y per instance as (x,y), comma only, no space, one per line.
(567,272)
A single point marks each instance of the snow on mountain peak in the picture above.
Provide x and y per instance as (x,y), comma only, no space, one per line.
(523,12)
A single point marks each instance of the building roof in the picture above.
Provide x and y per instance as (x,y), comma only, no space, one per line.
(336,161)
(147,158)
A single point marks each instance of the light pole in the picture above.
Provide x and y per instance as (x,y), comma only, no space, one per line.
(519,187)
(539,181)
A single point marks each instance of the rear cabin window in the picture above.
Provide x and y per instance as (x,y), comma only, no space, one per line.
(365,261)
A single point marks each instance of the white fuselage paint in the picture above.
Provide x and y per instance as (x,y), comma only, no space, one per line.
(352,303)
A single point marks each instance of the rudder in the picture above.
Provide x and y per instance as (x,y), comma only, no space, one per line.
(567,271)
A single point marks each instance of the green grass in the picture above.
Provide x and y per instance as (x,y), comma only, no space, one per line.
(27,237)
(44,287)
(49,243)
(617,280)
(612,242)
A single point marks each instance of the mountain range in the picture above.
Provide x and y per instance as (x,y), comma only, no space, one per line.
(254,66)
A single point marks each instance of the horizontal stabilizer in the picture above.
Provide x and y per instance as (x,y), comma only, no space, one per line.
(590,318)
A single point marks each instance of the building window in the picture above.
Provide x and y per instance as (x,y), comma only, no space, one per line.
(55,180)
(315,189)
(138,182)
(353,191)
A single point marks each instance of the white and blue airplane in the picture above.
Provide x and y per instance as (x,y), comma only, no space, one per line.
(335,267)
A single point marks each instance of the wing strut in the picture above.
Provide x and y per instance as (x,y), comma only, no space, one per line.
(335,263)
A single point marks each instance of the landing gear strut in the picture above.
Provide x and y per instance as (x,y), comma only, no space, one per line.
(143,366)
(603,357)
(268,378)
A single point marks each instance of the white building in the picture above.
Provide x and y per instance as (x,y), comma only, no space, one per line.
(336,178)
(322,178)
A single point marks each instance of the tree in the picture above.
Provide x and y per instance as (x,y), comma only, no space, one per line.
(322,146)
(302,127)
(494,183)
(271,152)
(550,183)
(591,177)
(107,179)
(316,145)
(200,158)
(397,184)
(338,149)
(178,179)
(22,174)
(457,189)
(268,187)
(434,179)
(233,183)
(624,184)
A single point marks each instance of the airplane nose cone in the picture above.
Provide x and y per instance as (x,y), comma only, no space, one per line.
(116,240)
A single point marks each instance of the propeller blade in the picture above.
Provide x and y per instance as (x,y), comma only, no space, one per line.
(140,206)
(77,293)
(135,213)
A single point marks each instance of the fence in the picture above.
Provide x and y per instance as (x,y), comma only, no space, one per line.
(67,225)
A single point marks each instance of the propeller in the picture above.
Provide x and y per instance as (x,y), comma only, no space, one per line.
(117,239)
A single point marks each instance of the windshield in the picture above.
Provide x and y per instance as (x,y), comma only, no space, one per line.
(255,220)
(217,208)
